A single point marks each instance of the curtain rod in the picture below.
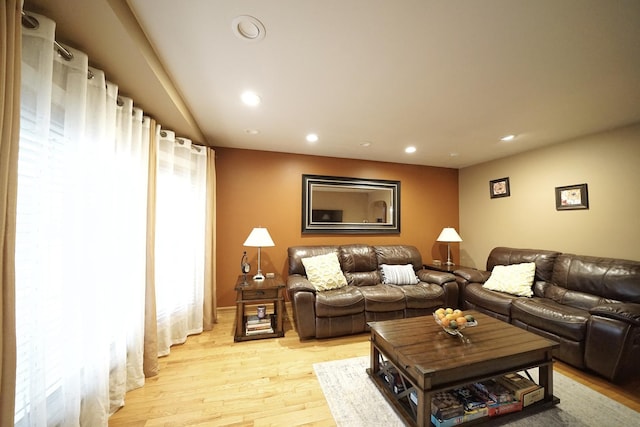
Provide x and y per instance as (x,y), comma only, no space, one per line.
(32,22)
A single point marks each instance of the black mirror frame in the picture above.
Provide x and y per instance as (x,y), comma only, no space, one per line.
(311,227)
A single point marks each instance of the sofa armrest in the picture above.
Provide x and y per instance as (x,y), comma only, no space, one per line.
(472,275)
(446,280)
(626,312)
(302,295)
(437,277)
(297,283)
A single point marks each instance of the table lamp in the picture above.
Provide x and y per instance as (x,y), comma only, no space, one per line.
(449,235)
(259,238)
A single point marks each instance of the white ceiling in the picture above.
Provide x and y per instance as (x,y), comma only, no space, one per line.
(449,77)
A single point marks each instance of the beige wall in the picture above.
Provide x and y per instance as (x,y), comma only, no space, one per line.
(608,162)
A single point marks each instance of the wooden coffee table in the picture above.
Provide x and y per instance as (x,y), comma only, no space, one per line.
(430,360)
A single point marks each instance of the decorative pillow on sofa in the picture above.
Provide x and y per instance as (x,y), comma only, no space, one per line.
(515,279)
(399,274)
(324,272)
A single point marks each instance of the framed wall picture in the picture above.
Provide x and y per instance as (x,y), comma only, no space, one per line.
(499,188)
(572,197)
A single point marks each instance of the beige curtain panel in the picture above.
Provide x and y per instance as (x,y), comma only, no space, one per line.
(10,13)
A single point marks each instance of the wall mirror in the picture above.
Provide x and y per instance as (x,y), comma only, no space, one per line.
(350,205)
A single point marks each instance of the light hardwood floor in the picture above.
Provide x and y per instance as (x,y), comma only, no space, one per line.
(210,380)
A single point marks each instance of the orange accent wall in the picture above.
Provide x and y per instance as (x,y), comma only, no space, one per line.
(261,188)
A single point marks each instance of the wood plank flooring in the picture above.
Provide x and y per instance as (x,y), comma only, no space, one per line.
(210,380)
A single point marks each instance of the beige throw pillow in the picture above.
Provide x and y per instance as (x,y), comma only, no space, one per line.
(324,272)
(515,279)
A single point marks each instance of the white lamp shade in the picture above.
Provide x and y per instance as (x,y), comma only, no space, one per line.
(259,238)
(449,234)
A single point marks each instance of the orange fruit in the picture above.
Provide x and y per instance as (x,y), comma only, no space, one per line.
(445,322)
(461,321)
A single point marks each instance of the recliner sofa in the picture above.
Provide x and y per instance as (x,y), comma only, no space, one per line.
(365,298)
(590,305)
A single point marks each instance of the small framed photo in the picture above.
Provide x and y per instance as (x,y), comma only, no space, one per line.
(499,188)
(572,197)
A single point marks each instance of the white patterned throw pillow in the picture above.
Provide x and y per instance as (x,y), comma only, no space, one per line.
(399,274)
(515,279)
(324,272)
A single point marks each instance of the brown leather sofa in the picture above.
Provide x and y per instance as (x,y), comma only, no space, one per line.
(590,305)
(344,311)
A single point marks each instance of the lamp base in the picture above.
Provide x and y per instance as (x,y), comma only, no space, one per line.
(449,262)
(258,276)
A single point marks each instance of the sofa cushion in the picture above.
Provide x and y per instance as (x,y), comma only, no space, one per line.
(381,298)
(399,254)
(339,302)
(575,299)
(610,278)
(515,279)
(544,260)
(296,253)
(423,295)
(548,315)
(497,302)
(399,274)
(360,265)
(323,271)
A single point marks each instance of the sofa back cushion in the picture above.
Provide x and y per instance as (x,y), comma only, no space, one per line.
(296,253)
(544,260)
(577,299)
(609,278)
(399,254)
(360,265)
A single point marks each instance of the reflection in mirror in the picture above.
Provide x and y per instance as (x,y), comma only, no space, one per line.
(349,205)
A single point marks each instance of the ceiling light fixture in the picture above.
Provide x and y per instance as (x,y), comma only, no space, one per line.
(312,137)
(507,138)
(248,28)
(250,98)
(365,144)
(410,149)
(252,131)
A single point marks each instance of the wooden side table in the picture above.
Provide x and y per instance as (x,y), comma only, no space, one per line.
(252,292)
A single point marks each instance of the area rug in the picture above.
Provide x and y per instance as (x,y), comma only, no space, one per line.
(355,401)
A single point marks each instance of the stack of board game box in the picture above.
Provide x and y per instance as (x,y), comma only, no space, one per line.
(509,393)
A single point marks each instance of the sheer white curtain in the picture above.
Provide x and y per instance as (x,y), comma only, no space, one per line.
(80,248)
(180,238)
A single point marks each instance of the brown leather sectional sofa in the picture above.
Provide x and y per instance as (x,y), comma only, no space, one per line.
(343,311)
(590,305)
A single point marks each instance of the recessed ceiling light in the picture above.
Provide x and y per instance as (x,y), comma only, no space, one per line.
(508,138)
(250,98)
(410,149)
(312,137)
(252,131)
(454,154)
(365,144)
(248,28)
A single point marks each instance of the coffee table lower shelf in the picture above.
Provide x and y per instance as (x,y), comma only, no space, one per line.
(407,410)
